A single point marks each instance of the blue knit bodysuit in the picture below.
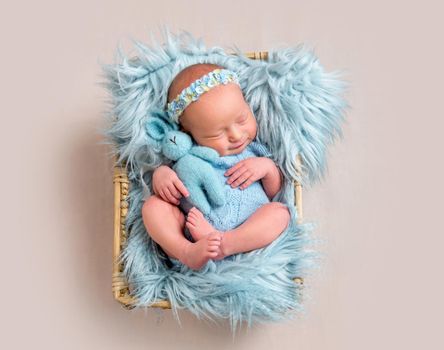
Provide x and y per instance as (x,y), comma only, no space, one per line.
(240,204)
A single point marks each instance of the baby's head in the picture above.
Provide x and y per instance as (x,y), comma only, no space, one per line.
(220,118)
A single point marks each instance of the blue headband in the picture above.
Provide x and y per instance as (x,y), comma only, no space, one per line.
(190,94)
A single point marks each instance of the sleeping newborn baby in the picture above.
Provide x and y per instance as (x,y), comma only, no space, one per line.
(215,114)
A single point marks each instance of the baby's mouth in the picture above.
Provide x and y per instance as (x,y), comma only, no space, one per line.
(239,145)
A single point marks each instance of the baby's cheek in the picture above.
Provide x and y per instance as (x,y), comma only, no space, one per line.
(214,144)
(222,147)
(253,131)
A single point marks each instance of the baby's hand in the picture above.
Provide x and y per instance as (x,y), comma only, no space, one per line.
(168,186)
(248,171)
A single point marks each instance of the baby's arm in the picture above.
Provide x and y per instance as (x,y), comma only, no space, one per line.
(272,181)
(253,169)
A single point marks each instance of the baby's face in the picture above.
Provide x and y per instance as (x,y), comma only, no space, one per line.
(221,119)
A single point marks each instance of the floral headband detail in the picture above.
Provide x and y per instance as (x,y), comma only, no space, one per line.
(190,94)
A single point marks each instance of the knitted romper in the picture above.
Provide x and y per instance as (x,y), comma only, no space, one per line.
(240,204)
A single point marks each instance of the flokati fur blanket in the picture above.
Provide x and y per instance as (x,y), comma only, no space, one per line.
(299,110)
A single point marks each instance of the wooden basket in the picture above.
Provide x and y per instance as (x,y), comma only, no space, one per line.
(120,285)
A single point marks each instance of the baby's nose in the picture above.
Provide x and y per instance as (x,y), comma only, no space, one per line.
(235,135)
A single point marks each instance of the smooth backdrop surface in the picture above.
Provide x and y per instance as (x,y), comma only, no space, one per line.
(379,208)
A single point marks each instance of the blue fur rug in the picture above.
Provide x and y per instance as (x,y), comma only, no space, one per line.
(299,110)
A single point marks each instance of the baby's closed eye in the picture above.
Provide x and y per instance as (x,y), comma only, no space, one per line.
(215,136)
(243,120)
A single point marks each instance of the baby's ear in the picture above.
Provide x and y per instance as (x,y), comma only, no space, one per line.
(181,128)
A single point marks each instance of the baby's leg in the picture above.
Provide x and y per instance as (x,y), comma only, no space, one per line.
(259,230)
(165,223)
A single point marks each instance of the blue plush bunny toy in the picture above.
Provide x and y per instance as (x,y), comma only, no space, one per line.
(193,163)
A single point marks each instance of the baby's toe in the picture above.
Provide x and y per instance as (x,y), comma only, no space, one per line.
(198,213)
(192,210)
(213,249)
(191,219)
(212,255)
(215,236)
(190,224)
(214,244)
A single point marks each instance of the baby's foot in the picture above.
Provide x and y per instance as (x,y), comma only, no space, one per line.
(197,254)
(197,224)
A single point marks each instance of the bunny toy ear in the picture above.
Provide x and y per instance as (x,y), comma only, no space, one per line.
(157,126)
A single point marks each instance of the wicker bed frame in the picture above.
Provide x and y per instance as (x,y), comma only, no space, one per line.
(120,285)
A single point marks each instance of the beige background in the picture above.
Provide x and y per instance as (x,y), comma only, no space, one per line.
(379,208)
